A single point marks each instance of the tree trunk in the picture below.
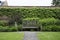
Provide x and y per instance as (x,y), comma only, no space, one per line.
(16,26)
(41,27)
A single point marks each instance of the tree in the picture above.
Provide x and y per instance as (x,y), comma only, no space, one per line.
(56,3)
(15,17)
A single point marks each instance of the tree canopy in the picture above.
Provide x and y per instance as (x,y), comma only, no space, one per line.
(56,3)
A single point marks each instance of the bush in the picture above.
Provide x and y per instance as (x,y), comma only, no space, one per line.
(43,16)
(3,29)
(3,23)
(48,21)
(47,28)
(10,29)
(19,27)
(51,28)
(56,28)
(49,24)
(33,12)
(58,22)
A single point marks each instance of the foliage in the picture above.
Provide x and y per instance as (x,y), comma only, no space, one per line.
(43,16)
(3,23)
(12,14)
(49,24)
(51,28)
(19,27)
(48,21)
(29,13)
(30,22)
(56,2)
(3,28)
(9,28)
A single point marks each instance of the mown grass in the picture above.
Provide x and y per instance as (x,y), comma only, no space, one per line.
(11,36)
(49,35)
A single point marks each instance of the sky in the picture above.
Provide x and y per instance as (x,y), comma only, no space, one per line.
(29,2)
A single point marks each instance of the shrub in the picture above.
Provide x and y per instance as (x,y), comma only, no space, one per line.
(47,28)
(48,21)
(43,16)
(51,28)
(49,24)
(3,23)
(19,27)
(56,28)
(58,22)
(3,29)
(10,29)
(33,12)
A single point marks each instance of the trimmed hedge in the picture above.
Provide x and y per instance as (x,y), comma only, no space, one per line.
(10,28)
(3,23)
(49,21)
(48,17)
(49,24)
(51,28)
(33,12)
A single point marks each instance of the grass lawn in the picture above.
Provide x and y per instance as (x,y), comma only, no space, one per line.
(11,36)
(48,35)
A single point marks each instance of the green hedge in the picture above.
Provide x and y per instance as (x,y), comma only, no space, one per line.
(10,28)
(51,28)
(49,21)
(3,23)
(49,24)
(32,12)
(48,17)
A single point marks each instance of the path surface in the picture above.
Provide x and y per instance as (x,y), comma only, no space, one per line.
(30,36)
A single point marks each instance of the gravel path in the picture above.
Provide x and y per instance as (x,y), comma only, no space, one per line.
(30,36)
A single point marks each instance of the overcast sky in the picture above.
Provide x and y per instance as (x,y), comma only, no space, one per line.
(29,2)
